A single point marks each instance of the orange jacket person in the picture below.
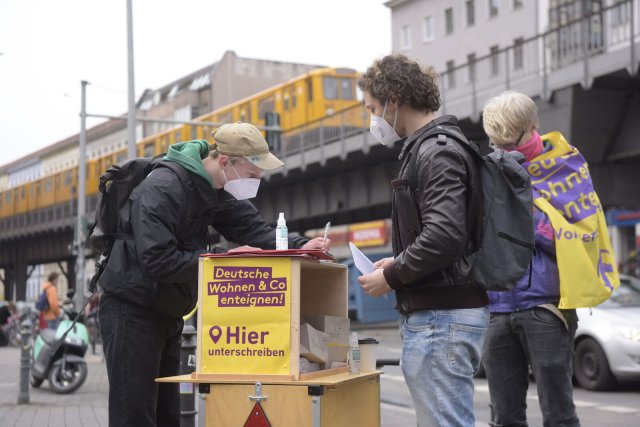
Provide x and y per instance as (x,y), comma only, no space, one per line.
(52,314)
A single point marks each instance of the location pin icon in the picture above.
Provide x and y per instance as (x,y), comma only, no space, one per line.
(215,332)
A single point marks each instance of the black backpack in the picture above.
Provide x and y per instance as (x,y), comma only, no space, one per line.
(115,187)
(505,243)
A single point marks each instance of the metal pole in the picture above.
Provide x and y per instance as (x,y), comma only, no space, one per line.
(188,365)
(25,359)
(131,115)
(82,197)
(632,68)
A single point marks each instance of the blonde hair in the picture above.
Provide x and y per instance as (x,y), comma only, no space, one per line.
(507,115)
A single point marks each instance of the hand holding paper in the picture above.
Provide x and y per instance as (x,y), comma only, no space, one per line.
(360,260)
(372,279)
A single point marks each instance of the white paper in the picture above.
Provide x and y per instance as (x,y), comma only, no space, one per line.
(360,260)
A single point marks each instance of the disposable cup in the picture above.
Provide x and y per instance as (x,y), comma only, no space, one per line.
(367,354)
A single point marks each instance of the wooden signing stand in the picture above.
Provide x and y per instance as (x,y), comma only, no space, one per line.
(248,345)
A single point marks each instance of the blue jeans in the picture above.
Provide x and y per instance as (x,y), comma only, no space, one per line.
(440,354)
(537,337)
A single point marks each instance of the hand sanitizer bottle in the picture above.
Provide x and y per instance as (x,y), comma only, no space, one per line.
(354,354)
(282,234)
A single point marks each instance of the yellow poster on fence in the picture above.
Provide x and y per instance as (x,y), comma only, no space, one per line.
(246,316)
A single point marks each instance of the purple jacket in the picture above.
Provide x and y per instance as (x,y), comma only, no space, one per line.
(545,281)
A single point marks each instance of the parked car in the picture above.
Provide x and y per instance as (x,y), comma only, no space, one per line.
(607,345)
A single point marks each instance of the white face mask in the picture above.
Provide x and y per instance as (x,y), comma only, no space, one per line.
(241,188)
(383,131)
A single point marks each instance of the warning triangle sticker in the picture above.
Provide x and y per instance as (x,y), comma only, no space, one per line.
(257,417)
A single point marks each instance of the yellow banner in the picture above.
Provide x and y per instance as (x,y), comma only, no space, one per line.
(564,191)
(246,316)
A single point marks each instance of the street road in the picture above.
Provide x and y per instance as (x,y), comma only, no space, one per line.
(596,409)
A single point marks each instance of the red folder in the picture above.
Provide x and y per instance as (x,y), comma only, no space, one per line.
(314,253)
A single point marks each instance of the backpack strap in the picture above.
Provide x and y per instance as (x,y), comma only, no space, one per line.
(442,134)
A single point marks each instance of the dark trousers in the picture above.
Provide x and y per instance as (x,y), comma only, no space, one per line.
(140,346)
(538,337)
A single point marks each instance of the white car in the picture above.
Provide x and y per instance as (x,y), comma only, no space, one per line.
(607,345)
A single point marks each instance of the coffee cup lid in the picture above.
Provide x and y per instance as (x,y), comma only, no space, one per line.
(368,341)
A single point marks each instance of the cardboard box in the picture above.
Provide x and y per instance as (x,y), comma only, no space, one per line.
(306,366)
(313,344)
(338,352)
(336,327)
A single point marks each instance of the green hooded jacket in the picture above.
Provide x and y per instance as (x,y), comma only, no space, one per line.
(189,155)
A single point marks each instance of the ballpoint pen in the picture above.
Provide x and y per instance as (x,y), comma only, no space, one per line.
(326,230)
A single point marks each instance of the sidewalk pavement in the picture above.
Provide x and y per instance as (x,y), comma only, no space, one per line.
(85,407)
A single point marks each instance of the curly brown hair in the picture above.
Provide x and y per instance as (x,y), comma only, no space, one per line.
(397,78)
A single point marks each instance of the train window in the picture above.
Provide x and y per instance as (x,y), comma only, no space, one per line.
(22,193)
(8,197)
(47,185)
(286,101)
(330,87)
(67,179)
(294,101)
(309,90)
(346,89)
(178,136)
(149,150)
(266,105)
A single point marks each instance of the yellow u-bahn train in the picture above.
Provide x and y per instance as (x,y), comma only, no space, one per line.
(299,103)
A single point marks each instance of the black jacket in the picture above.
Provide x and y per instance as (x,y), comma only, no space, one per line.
(434,227)
(169,223)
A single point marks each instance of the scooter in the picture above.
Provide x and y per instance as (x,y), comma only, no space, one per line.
(61,363)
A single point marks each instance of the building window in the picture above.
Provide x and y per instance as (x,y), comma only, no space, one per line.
(471,13)
(493,8)
(518,53)
(405,37)
(448,20)
(451,75)
(495,61)
(428,29)
(621,14)
(517,4)
(471,62)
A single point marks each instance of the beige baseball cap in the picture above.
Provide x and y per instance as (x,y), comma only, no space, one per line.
(244,139)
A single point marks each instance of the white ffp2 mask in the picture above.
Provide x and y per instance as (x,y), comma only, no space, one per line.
(383,131)
(241,188)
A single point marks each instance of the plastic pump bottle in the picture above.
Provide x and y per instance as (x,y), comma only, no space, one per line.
(282,234)
(354,354)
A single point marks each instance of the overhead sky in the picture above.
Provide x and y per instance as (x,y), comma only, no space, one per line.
(47,47)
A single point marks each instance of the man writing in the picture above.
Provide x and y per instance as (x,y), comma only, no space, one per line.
(150,282)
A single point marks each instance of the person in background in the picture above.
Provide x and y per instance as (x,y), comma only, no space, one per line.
(6,312)
(52,314)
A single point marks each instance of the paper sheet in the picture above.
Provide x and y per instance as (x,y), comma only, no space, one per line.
(360,260)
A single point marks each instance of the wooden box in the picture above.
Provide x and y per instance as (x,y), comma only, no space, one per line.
(249,312)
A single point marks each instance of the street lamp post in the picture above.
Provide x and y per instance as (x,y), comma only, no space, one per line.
(131,115)
(82,199)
